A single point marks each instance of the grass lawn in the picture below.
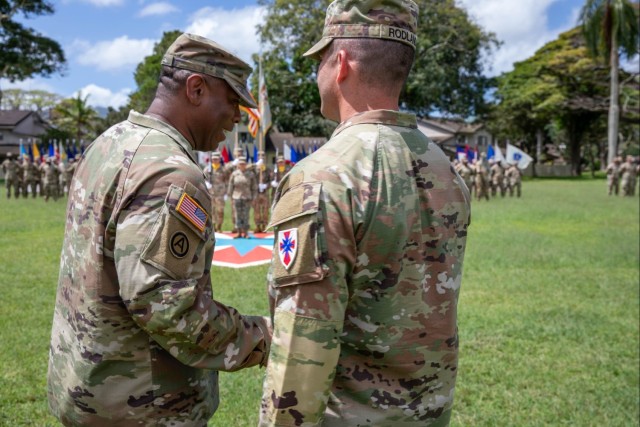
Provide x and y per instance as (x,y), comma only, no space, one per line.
(549,311)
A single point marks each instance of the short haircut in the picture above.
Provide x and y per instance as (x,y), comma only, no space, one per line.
(172,79)
(387,63)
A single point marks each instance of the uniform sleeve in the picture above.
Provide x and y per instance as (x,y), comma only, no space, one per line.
(308,296)
(163,251)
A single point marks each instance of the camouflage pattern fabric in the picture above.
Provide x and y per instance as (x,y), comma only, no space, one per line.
(217,178)
(628,173)
(370,238)
(613,178)
(51,185)
(481,180)
(466,172)
(513,177)
(137,338)
(261,203)
(496,173)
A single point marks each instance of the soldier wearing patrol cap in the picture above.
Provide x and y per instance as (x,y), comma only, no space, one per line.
(261,202)
(137,338)
(370,238)
(280,170)
(229,169)
(242,190)
(217,177)
(11,169)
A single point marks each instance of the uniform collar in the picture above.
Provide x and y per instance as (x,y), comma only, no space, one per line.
(384,117)
(167,129)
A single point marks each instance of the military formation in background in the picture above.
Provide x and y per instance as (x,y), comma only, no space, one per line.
(488,178)
(49,179)
(622,176)
(246,187)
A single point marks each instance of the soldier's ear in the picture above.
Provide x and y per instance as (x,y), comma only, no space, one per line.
(195,88)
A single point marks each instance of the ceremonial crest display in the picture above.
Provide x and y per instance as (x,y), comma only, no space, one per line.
(288,246)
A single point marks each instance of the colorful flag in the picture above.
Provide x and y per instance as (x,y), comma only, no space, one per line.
(52,151)
(23,152)
(192,211)
(36,152)
(286,152)
(254,119)
(224,153)
(255,153)
(265,110)
(495,154)
(517,156)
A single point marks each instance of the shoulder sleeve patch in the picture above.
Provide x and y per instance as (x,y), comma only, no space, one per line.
(297,255)
(178,241)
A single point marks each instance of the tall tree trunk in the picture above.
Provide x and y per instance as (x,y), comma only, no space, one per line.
(614,105)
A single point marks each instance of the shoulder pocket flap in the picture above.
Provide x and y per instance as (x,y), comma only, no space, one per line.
(302,199)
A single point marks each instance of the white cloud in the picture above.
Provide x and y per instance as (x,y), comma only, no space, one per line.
(522,26)
(104,3)
(102,97)
(161,8)
(234,29)
(114,54)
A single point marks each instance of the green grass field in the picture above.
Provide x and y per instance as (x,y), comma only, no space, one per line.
(549,311)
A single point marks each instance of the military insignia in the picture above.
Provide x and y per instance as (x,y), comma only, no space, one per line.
(288,246)
(192,211)
(179,245)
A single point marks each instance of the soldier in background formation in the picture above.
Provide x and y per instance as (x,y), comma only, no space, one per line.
(481,178)
(29,174)
(513,178)
(613,176)
(466,173)
(261,202)
(12,175)
(242,190)
(216,177)
(496,175)
(629,172)
(51,179)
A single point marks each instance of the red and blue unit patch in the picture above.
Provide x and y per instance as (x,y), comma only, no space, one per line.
(288,246)
(191,210)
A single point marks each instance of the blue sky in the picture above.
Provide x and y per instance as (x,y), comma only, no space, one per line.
(104,40)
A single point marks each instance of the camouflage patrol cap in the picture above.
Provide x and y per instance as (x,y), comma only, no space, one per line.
(383,19)
(201,55)
(242,160)
(215,155)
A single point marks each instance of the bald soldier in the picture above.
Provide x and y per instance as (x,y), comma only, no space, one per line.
(137,339)
(370,236)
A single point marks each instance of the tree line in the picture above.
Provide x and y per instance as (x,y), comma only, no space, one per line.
(571,92)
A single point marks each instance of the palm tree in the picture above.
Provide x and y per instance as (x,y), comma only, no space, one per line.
(610,27)
(75,116)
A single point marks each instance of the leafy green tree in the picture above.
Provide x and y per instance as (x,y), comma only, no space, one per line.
(75,117)
(610,27)
(38,100)
(559,84)
(23,51)
(447,76)
(148,72)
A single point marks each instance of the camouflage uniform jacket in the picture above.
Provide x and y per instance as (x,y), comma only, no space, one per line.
(263,177)
(11,169)
(371,231)
(218,180)
(29,171)
(514,175)
(242,185)
(136,335)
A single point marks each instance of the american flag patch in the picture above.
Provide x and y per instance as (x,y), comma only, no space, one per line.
(191,210)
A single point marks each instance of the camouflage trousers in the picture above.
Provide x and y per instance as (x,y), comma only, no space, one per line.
(261,211)
(30,184)
(613,185)
(218,211)
(517,186)
(242,207)
(15,184)
(498,185)
(51,190)
(628,187)
(482,190)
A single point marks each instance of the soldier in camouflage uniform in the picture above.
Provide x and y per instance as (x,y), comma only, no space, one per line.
(481,179)
(628,172)
(242,190)
(613,176)
(137,338)
(513,177)
(229,168)
(496,175)
(29,173)
(466,172)
(371,231)
(217,178)
(50,175)
(10,169)
(261,202)
(279,172)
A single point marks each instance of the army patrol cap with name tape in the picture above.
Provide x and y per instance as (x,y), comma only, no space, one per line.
(195,53)
(382,19)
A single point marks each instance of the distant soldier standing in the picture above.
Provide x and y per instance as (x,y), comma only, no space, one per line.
(242,189)
(481,178)
(613,176)
(466,173)
(279,172)
(10,169)
(217,178)
(261,202)
(29,174)
(514,180)
(50,174)
(496,173)
(229,168)
(628,172)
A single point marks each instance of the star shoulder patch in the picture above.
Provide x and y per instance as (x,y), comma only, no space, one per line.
(288,246)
